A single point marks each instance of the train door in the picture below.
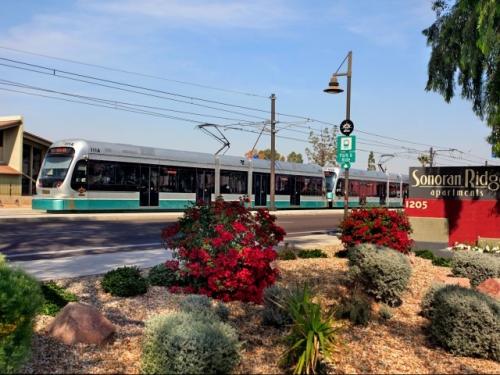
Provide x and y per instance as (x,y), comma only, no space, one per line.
(295,188)
(149,194)
(260,187)
(205,184)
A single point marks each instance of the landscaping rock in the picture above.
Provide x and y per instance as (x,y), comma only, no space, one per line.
(79,323)
(447,280)
(490,287)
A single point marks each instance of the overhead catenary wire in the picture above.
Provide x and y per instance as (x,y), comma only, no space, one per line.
(74,76)
(113,101)
(130,72)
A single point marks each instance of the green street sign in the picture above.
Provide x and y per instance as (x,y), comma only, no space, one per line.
(346,150)
(346,165)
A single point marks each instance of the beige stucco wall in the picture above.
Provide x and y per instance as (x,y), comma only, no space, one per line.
(13,147)
(429,229)
(10,185)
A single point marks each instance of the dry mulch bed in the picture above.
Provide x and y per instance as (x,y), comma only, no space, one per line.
(398,345)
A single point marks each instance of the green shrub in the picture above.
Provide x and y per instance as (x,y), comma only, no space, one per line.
(20,300)
(441,262)
(426,307)
(426,254)
(313,253)
(357,308)
(286,254)
(311,335)
(3,262)
(160,275)
(275,306)
(382,272)
(465,322)
(385,312)
(199,304)
(342,254)
(185,343)
(436,261)
(124,282)
(55,298)
(477,267)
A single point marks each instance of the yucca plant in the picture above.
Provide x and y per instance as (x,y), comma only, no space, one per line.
(311,335)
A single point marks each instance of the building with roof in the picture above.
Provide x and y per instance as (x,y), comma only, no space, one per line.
(21,156)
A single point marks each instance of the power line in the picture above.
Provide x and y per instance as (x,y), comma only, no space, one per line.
(112,101)
(118,70)
(54,72)
(128,90)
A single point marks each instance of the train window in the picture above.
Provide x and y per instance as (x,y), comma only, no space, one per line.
(233,182)
(354,188)
(312,186)
(102,174)
(79,178)
(127,176)
(339,191)
(282,184)
(394,190)
(186,178)
(168,179)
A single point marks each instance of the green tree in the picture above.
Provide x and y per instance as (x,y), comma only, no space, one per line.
(465,42)
(294,157)
(371,162)
(264,154)
(425,160)
(324,147)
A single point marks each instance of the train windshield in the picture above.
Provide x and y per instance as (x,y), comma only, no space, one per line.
(330,180)
(56,166)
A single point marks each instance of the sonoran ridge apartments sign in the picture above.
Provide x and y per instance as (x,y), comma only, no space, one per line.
(454,204)
(455,182)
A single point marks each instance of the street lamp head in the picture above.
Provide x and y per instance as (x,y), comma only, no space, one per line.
(333,86)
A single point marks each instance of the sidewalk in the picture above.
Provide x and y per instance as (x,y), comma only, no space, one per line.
(84,265)
(13,215)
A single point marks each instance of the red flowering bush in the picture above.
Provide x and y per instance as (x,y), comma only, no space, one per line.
(378,226)
(225,251)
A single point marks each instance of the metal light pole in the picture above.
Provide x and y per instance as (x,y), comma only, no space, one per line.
(334,88)
(272,179)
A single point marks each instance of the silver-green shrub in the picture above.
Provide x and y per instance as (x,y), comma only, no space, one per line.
(203,305)
(465,322)
(426,305)
(477,267)
(20,300)
(188,343)
(382,272)
(275,311)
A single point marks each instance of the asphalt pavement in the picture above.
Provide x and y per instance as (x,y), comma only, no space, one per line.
(50,238)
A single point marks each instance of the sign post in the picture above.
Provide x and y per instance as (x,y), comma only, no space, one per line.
(346,154)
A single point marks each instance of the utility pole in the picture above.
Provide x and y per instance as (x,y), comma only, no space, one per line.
(431,157)
(272,182)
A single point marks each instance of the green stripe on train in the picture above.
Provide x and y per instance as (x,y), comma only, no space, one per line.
(127,204)
(104,204)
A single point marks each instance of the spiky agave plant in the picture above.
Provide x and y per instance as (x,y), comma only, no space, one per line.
(311,335)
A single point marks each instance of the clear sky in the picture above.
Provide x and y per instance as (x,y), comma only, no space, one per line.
(285,47)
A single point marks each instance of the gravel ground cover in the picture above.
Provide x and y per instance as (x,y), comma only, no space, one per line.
(398,345)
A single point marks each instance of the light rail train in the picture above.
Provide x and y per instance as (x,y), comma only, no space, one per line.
(80,175)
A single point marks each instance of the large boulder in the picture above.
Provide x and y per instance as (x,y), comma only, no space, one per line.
(490,287)
(79,323)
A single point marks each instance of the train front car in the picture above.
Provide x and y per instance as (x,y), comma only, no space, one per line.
(53,186)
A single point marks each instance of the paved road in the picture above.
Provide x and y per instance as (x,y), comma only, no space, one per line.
(53,239)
